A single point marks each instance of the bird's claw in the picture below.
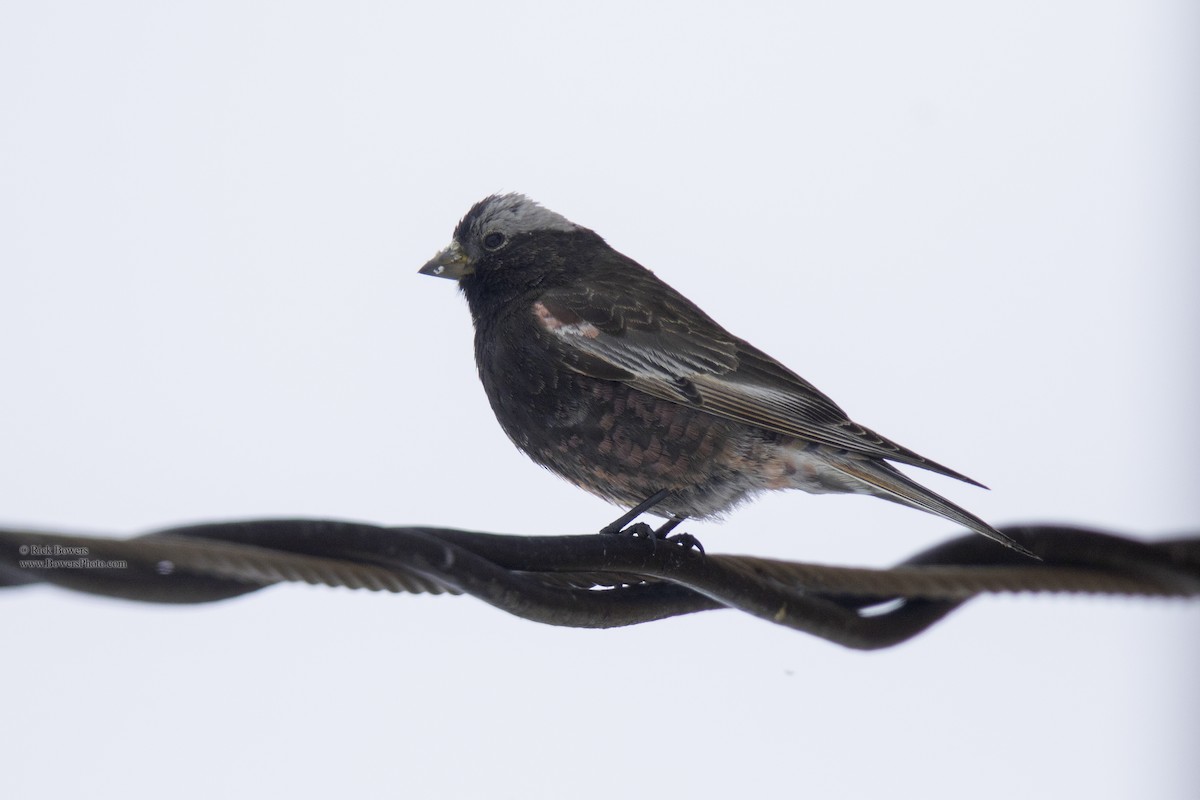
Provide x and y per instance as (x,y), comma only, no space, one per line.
(686,541)
(641,530)
(636,530)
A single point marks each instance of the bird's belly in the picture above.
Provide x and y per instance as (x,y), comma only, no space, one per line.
(625,445)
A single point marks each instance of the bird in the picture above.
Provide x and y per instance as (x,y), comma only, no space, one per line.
(601,372)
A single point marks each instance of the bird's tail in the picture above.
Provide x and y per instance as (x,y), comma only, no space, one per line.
(884,480)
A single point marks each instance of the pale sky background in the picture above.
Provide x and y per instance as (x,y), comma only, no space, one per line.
(974,225)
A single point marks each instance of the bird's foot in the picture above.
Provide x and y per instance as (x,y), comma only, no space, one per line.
(637,530)
(618,526)
(642,530)
(686,541)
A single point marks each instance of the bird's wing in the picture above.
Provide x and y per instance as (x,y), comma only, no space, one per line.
(664,345)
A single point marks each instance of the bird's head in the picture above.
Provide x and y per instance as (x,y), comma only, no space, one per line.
(504,241)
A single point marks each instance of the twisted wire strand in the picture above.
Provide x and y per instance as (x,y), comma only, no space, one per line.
(603,581)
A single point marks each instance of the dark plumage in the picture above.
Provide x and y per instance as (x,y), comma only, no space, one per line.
(607,376)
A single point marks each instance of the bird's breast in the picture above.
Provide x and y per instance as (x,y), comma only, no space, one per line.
(527,389)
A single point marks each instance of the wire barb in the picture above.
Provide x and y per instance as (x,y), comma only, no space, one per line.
(595,581)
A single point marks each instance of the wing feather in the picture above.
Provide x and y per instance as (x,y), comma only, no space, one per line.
(664,345)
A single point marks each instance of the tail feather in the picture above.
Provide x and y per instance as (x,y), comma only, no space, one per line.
(887,482)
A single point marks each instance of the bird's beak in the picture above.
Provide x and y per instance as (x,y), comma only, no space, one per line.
(451,263)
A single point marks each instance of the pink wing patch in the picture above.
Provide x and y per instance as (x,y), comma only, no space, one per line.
(571,326)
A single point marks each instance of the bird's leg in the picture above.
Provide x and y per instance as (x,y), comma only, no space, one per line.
(641,528)
(669,526)
(617,526)
(684,540)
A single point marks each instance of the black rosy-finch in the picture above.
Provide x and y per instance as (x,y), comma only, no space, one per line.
(607,376)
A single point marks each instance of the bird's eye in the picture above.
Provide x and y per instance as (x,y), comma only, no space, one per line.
(493,240)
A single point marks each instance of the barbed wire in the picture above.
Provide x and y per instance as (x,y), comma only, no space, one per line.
(598,581)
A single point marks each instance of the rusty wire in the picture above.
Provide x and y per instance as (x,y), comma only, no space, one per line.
(594,581)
